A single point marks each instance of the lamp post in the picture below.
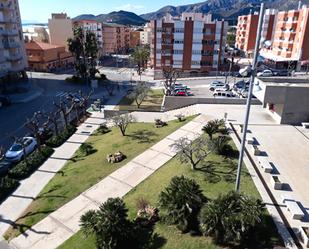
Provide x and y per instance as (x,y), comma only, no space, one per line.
(248,106)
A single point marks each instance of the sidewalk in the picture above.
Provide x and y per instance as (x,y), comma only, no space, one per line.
(14,206)
(60,225)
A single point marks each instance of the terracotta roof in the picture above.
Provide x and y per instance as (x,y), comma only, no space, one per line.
(33,45)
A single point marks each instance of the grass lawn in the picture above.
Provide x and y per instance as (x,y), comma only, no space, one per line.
(83,172)
(217,176)
(152,102)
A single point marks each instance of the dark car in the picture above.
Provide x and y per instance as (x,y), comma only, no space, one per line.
(4,101)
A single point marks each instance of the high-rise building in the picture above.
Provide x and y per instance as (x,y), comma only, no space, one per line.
(145,35)
(12,49)
(116,38)
(94,27)
(60,28)
(191,43)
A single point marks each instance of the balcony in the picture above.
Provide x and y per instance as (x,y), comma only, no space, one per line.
(7,20)
(9,45)
(14,57)
(6,6)
(13,32)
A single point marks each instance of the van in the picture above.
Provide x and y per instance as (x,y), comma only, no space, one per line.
(223,94)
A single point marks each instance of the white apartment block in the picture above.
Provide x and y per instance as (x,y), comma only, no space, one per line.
(12,49)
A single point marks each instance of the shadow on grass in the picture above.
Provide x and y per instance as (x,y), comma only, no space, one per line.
(143,136)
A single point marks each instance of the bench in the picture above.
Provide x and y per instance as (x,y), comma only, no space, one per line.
(255,150)
(305,125)
(265,164)
(250,139)
(295,210)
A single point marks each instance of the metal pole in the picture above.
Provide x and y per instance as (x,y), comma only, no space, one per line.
(245,127)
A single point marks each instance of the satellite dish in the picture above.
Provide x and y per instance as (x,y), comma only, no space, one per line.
(267,44)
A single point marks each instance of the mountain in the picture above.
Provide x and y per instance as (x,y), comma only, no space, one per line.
(119,17)
(227,9)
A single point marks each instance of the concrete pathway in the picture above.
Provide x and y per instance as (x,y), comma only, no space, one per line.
(60,225)
(14,206)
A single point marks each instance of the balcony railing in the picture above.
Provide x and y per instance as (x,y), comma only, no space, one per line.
(9,32)
(6,6)
(11,45)
(14,57)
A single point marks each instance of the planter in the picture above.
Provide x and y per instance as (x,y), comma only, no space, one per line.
(255,150)
(304,233)
(276,183)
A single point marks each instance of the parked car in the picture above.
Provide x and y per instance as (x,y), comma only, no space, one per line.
(280,72)
(18,151)
(4,101)
(223,94)
(216,84)
(265,73)
(181,87)
(181,93)
(240,85)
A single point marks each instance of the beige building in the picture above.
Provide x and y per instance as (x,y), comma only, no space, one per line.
(116,38)
(60,29)
(36,33)
(12,49)
(145,35)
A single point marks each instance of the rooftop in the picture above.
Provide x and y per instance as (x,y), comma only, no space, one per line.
(286,81)
(33,45)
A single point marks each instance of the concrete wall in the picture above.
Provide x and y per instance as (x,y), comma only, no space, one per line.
(171,102)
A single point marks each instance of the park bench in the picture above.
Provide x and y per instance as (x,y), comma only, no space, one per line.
(294,208)
(305,125)
(264,163)
(250,139)
(255,150)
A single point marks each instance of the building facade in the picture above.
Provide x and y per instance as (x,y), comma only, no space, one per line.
(290,42)
(12,50)
(94,27)
(191,43)
(36,33)
(44,57)
(135,38)
(116,38)
(61,29)
(145,35)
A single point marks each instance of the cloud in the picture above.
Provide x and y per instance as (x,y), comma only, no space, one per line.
(130,7)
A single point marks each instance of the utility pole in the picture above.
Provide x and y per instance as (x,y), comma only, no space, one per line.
(248,106)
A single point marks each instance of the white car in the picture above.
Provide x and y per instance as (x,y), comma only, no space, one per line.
(18,151)
(216,84)
(265,73)
(223,94)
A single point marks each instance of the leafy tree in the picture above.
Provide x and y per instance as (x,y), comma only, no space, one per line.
(230,217)
(182,200)
(139,93)
(220,145)
(140,57)
(122,122)
(170,77)
(109,224)
(192,152)
(65,111)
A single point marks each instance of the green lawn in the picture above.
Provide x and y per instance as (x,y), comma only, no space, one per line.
(218,177)
(81,173)
(152,102)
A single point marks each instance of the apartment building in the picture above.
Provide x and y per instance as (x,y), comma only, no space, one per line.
(94,27)
(135,40)
(36,33)
(290,42)
(191,43)
(247,28)
(44,57)
(145,35)
(60,28)
(116,38)
(12,49)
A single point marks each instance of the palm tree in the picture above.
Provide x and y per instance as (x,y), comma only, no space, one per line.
(211,128)
(182,200)
(220,145)
(230,217)
(109,224)
(140,57)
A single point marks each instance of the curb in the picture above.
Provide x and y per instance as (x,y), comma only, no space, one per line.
(29,98)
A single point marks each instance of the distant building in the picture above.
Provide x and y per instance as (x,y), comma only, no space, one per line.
(12,49)
(145,35)
(36,33)
(191,43)
(135,38)
(94,27)
(60,28)
(44,57)
(116,38)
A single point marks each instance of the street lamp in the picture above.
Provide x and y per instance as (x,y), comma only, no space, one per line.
(248,106)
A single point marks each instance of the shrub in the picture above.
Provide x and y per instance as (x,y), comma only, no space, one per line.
(26,167)
(86,149)
(74,79)
(230,217)
(220,145)
(103,129)
(56,141)
(182,200)
(7,186)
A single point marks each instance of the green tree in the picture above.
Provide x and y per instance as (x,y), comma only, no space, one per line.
(230,217)
(84,47)
(139,93)
(109,224)
(140,57)
(220,145)
(182,200)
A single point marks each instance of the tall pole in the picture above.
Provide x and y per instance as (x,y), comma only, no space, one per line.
(248,106)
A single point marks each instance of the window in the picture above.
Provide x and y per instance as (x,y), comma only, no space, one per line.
(178,41)
(177,62)
(195,63)
(179,30)
(178,51)
(196,52)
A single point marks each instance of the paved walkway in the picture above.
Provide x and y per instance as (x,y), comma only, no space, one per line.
(60,225)
(14,206)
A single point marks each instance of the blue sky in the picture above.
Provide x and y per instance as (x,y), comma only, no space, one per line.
(40,10)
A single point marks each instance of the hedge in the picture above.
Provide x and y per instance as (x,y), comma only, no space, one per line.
(24,169)
(7,186)
(56,141)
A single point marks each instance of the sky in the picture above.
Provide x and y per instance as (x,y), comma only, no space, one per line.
(40,10)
